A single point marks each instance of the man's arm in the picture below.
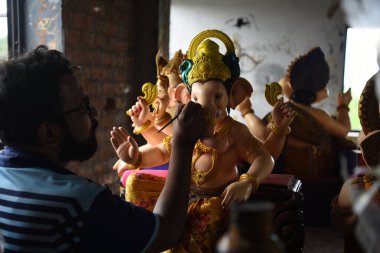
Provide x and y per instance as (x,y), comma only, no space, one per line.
(172,204)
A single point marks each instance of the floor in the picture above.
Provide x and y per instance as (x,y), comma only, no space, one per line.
(323,240)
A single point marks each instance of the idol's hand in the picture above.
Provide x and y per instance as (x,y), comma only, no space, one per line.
(282,114)
(120,167)
(140,112)
(236,192)
(124,145)
(345,98)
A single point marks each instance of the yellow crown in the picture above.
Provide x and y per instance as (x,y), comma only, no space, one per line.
(172,66)
(208,61)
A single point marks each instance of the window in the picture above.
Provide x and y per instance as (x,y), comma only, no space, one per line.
(360,65)
(3,30)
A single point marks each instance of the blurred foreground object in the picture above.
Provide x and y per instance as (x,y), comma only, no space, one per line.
(251,230)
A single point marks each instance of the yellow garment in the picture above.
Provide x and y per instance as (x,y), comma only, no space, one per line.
(205,222)
(143,189)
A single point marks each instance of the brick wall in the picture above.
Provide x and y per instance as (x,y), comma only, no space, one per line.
(104,37)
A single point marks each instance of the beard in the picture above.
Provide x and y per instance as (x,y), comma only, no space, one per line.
(72,150)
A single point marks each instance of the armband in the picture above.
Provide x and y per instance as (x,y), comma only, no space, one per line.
(142,128)
(253,180)
(137,165)
(276,130)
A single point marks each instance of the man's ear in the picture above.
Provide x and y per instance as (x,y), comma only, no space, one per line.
(49,134)
(182,94)
(240,90)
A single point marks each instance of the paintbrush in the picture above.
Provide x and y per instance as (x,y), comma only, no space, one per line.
(167,124)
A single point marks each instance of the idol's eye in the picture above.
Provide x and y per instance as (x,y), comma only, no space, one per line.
(218,96)
(195,99)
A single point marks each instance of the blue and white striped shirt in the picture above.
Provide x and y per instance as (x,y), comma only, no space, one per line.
(46,208)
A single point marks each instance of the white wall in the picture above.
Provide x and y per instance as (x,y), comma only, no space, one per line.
(276,33)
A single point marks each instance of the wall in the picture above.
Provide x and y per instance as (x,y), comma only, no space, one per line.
(268,35)
(116,42)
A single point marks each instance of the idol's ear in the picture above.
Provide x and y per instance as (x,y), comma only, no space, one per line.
(240,90)
(182,94)
(161,62)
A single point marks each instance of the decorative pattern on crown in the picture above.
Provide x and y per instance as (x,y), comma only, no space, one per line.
(173,64)
(205,62)
(208,64)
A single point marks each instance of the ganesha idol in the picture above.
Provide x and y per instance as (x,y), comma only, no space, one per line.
(212,80)
(147,122)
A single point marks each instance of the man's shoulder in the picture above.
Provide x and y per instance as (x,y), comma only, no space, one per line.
(50,184)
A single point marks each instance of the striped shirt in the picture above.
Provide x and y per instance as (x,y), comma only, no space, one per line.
(46,208)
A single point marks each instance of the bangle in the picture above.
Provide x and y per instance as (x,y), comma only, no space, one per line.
(142,128)
(166,142)
(249,111)
(166,117)
(343,106)
(137,165)
(252,179)
(276,130)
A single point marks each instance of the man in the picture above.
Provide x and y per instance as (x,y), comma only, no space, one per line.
(46,120)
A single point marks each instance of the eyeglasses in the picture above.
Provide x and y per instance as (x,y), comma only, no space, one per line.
(85,104)
(76,68)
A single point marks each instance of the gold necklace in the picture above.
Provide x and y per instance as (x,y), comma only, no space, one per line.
(199,177)
(224,127)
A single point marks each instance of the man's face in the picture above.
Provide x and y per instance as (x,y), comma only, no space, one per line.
(79,139)
(74,150)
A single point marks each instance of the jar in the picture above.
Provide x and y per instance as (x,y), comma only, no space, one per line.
(251,230)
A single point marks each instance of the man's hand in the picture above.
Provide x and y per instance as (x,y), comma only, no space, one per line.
(190,124)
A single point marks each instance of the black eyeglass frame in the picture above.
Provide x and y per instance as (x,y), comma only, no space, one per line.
(85,104)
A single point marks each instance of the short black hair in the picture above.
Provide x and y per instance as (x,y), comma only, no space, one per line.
(30,93)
